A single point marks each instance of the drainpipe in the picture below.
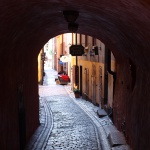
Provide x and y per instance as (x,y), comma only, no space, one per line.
(42,58)
(62,50)
(109,69)
(105,78)
(77,67)
(110,110)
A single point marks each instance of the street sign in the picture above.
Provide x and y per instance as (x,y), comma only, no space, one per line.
(76,50)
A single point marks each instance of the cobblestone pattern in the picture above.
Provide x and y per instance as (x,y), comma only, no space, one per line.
(91,110)
(73,129)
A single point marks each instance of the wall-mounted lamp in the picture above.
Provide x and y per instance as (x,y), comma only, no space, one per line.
(94,51)
(86,50)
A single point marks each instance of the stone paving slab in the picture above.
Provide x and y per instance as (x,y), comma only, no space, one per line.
(108,127)
(121,147)
(51,90)
(116,138)
(101,113)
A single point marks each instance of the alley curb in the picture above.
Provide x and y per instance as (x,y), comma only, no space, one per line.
(39,140)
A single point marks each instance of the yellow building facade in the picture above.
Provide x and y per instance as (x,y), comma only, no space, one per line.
(40,67)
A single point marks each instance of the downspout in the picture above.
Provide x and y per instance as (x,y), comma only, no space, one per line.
(77,68)
(109,69)
(62,44)
(43,58)
(62,50)
(110,110)
(105,79)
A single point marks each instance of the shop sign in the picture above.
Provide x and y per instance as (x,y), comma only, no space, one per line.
(76,50)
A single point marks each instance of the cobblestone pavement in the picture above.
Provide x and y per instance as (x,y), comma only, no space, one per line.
(68,123)
(72,127)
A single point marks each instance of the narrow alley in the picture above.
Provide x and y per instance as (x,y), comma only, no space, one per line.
(68,123)
(103,46)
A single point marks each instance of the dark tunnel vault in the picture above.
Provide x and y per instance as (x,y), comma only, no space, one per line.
(117,24)
(122,25)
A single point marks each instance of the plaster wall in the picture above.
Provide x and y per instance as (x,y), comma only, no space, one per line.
(40,71)
(132,104)
(89,65)
(111,84)
(15,79)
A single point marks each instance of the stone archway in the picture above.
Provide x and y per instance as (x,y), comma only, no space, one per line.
(122,25)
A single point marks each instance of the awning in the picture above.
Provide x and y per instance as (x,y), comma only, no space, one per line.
(65,59)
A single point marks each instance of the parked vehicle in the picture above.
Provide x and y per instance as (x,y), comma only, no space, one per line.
(63,78)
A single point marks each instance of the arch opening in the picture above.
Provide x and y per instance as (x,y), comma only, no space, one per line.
(26,26)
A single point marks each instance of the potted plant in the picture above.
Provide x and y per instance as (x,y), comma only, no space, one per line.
(76,93)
